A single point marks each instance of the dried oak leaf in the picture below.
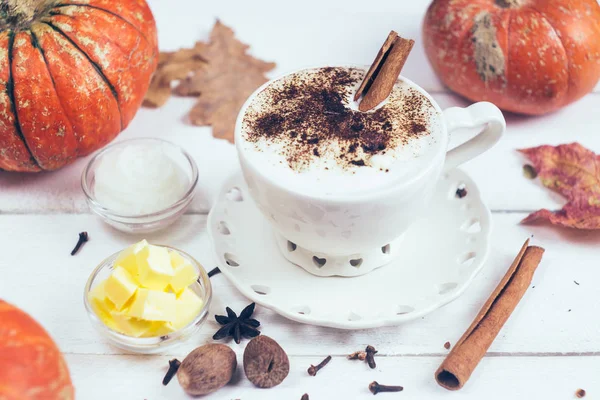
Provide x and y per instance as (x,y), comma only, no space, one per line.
(173,66)
(230,76)
(573,171)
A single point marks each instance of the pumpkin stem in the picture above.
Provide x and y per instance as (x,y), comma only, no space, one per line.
(18,14)
(509,3)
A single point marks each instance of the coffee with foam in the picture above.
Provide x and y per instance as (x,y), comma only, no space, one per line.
(307,132)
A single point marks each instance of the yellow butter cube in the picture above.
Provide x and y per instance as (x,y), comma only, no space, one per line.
(187,307)
(154,267)
(130,326)
(127,259)
(108,320)
(99,301)
(120,287)
(160,329)
(153,305)
(101,305)
(184,272)
(176,258)
(147,293)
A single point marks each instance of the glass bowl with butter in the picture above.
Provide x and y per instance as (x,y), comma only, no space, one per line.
(147,298)
(140,185)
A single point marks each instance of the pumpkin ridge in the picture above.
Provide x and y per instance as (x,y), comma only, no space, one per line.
(106,11)
(507,55)
(10,91)
(37,46)
(97,67)
(560,39)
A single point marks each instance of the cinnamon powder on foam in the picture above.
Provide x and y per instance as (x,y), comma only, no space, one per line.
(309,114)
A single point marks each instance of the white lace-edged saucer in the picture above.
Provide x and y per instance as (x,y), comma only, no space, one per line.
(439,257)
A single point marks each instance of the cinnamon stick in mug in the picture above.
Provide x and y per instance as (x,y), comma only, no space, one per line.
(472,346)
(383,74)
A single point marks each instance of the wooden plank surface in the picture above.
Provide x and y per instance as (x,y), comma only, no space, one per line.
(497,378)
(316,34)
(557,316)
(498,173)
(549,348)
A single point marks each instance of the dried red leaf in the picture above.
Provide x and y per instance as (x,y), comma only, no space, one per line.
(573,171)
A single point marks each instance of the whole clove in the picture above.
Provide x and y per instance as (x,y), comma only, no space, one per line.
(375,388)
(461,192)
(358,355)
(174,365)
(447,345)
(213,272)
(313,369)
(83,238)
(370,350)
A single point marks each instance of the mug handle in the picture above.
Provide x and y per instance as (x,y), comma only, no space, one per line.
(481,114)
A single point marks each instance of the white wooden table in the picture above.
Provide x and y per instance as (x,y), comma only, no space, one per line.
(549,348)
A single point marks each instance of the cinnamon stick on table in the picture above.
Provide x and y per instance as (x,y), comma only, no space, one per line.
(381,77)
(472,346)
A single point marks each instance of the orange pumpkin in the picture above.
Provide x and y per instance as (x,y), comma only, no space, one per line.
(31,366)
(526,56)
(73,73)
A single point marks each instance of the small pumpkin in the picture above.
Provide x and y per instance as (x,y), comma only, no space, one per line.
(73,74)
(31,365)
(526,56)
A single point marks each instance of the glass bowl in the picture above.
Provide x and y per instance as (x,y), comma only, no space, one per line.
(143,223)
(149,345)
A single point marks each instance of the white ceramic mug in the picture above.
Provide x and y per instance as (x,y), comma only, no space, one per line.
(354,224)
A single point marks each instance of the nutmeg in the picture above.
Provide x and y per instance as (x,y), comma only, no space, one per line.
(265,363)
(207,369)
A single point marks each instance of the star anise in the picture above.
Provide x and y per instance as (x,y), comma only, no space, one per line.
(237,327)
